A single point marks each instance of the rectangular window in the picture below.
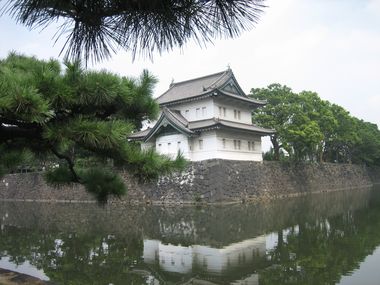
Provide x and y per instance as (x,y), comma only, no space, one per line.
(178,145)
(235,144)
(204,111)
(252,145)
(200,143)
(238,144)
(220,111)
(224,143)
(159,145)
(249,145)
(198,112)
(238,115)
(235,114)
(224,112)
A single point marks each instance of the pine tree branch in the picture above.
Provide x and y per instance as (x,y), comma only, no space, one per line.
(12,132)
(70,163)
(21,124)
(96,29)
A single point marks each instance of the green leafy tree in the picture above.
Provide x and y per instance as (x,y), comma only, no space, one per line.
(312,129)
(81,117)
(276,114)
(95,29)
(344,136)
(312,126)
(367,149)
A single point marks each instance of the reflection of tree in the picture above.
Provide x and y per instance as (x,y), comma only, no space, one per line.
(321,252)
(326,237)
(73,258)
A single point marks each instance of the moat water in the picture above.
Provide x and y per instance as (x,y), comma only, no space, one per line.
(329,238)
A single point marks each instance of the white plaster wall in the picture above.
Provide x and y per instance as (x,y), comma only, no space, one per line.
(209,148)
(245,113)
(229,152)
(147,145)
(176,258)
(171,144)
(208,113)
(151,250)
(212,146)
(233,255)
(171,258)
(182,259)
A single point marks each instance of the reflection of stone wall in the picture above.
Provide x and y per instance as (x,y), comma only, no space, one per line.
(210,181)
(212,225)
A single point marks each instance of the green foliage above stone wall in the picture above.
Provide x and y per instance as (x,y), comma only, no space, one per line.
(312,129)
(80,117)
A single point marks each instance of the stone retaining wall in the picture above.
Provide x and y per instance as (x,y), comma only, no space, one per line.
(209,181)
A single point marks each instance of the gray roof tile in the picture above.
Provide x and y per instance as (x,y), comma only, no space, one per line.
(201,86)
(140,134)
(204,124)
(191,88)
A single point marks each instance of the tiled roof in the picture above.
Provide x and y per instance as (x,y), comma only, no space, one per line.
(246,99)
(140,134)
(174,118)
(209,123)
(193,87)
(191,128)
(210,85)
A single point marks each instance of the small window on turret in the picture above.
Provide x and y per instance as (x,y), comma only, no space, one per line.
(200,142)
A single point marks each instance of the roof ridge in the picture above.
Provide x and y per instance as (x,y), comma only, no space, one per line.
(174,115)
(222,120)
(172,85)
(224,73)
(197,78)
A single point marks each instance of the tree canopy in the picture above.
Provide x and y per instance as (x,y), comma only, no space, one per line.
(96,29)
(82,118)
(309,128)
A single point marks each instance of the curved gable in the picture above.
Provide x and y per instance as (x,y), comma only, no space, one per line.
(171,119)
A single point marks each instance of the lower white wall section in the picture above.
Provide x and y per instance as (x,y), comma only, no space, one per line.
(147,145)
(203,147)
(210,145)
(238,146)
(171,144)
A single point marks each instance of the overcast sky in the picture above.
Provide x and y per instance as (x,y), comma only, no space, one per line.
(328,46)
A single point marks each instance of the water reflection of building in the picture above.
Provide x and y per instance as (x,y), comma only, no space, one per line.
(206,259)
